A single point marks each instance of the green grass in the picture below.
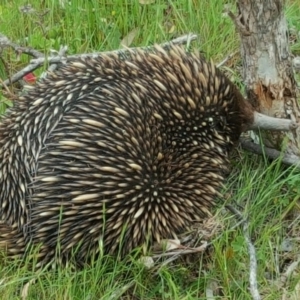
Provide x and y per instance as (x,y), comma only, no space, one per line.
(266,193)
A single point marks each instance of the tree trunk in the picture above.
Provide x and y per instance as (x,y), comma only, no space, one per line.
(267,67)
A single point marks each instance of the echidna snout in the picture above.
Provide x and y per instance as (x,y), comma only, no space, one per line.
(110,148)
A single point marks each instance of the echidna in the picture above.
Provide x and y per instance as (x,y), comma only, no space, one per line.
(113,148)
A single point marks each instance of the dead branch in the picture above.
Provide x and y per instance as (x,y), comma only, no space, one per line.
(5,42)
(176,254)
(270,123)
(41,60)
(253,263)
(288,159)
(19,75)
(185,39)
(61,53)
(185,250)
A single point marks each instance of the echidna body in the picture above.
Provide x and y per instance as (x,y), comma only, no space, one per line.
(110,149)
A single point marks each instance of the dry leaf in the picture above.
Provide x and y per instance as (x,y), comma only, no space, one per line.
(170,244)
(172,29)
(24,292)
(128,39)
(147,261)
(229,253)
(169,27)
(166,245)
(211,289)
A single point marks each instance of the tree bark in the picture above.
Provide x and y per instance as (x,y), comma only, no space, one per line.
(267,67)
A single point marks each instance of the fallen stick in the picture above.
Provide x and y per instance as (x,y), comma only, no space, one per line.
(5,42)
(288,159)
(36,63)
(270,123)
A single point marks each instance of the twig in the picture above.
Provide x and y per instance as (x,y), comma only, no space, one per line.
(177,254)
(288,159)
(188,250)
(270,123)
(25,289)
(228,57)
(293,223)
(61,53)
(290,269)
(253,264)
(178,41)
(183,251)
(252,255)
(28,69)
(36,63)
(6,42)
(7,92)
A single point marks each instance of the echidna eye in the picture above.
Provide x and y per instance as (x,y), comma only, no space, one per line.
(220,124)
